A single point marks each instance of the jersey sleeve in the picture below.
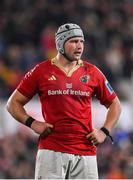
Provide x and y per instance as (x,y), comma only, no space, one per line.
(104,92)
(28,86)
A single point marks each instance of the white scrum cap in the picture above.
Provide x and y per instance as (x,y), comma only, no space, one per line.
(66,32)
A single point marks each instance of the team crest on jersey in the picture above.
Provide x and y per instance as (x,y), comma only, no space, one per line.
(85,78)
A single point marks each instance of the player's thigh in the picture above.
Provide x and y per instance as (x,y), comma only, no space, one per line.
(86,168)
(48,165)
(90,170)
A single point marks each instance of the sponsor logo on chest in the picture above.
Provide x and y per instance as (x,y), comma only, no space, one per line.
(69,90)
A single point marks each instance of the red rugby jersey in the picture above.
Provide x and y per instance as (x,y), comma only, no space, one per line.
(66,103)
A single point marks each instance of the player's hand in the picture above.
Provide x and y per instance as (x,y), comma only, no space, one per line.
(96,137)
(42,128)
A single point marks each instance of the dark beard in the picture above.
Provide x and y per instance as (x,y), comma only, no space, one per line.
(68,58)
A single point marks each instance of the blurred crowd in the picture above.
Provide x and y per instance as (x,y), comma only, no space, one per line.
(18,152)
(27,29)
(116,161)
(17,156)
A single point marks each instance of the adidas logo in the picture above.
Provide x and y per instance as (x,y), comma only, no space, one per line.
(52,78)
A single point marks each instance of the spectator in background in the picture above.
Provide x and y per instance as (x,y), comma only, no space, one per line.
(48,42)
(10,71)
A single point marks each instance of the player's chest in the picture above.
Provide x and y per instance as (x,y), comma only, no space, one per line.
(57,83)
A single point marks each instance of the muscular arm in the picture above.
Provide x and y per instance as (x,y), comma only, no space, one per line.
(113,114)
(97,136)
(15,106)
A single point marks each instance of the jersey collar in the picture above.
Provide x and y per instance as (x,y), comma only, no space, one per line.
(68,74)
(80,62)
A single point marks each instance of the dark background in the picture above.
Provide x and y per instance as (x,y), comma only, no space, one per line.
(27,30)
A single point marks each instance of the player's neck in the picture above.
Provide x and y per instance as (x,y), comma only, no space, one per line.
(65,65)
(62,61)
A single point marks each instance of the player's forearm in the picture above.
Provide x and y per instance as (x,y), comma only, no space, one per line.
(17,110)
(113,114)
